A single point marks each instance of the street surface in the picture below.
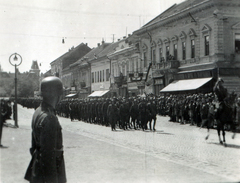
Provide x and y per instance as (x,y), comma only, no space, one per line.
(93,153)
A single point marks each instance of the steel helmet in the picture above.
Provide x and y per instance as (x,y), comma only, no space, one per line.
(51,85)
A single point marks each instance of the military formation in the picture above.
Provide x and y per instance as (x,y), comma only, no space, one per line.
(140,112)
(124,113)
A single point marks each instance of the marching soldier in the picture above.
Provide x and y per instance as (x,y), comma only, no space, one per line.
(112,112)
(134,113)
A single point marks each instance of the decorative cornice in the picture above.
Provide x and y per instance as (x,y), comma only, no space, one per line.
(192,33)
(177,16)
(206,29)
(174,39)
(153,44)
(236,26)
(182,35)
(166,40)
(144,47)
(160,42)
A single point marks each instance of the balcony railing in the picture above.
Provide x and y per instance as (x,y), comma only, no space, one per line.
(120,80)
(171,64)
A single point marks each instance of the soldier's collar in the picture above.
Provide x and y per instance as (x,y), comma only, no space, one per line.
(47,106)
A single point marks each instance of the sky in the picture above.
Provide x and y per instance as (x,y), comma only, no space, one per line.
(35,28)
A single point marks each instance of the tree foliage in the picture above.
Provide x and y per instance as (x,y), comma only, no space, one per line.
(26,85)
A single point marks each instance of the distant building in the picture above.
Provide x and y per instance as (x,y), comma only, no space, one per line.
(61,66)
(35,68)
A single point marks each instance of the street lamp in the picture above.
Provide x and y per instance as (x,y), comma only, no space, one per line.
(15,60)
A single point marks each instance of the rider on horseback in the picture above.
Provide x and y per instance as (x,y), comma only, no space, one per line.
(221,93)
(220,90)
(224,114)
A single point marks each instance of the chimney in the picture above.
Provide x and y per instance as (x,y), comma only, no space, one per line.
(98,44)
(129,35)
(124,37)
(103,41)
(86,44)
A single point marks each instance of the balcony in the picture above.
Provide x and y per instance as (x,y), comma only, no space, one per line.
(170,66)
(120,80)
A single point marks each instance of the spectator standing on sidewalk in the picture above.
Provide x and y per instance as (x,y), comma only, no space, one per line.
(47,164)
(2,119)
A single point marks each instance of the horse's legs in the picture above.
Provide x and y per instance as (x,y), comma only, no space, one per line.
(223,134)
(219,137)
(207,134)
(154,123)
(219,128)
(233,130)
(150,124)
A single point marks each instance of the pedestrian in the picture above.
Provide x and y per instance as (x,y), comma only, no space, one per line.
(47,164)
(2,120)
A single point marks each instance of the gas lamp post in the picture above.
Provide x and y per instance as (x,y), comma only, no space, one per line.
(15,60)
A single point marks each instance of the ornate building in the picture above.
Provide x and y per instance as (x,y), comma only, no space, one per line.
(193,42)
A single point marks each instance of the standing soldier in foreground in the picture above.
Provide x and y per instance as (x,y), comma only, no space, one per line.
(47,164)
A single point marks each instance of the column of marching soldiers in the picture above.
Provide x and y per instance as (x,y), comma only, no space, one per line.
(138,112)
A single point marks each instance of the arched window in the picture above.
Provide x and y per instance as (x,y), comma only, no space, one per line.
(206,35)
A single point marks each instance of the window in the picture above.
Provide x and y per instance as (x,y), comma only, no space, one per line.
(167,53)
(107,74)
(136,64)
(95,77)
(206,42)
(160,55)
(183,50)
(127,66)
(100,76)
(103,77)
(192,48)
(92,77)
(145,59)
(237,43)
(154,56)
(132,65)
(112,70)
(123,69)
(175,51)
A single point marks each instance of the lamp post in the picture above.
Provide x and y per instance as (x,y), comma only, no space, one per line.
(15,60)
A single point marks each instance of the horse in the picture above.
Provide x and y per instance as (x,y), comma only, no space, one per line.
(225,117)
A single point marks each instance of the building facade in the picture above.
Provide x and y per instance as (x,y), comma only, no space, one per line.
(61,66)
(192,40)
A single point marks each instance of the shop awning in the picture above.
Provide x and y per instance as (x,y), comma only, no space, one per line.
(71,95)
(98,93)
(185,85)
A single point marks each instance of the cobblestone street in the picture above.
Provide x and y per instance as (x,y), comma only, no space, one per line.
(93,153)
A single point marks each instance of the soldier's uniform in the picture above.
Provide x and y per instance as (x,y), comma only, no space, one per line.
(134,113)
(112,112)
(143,114)
(47,164)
